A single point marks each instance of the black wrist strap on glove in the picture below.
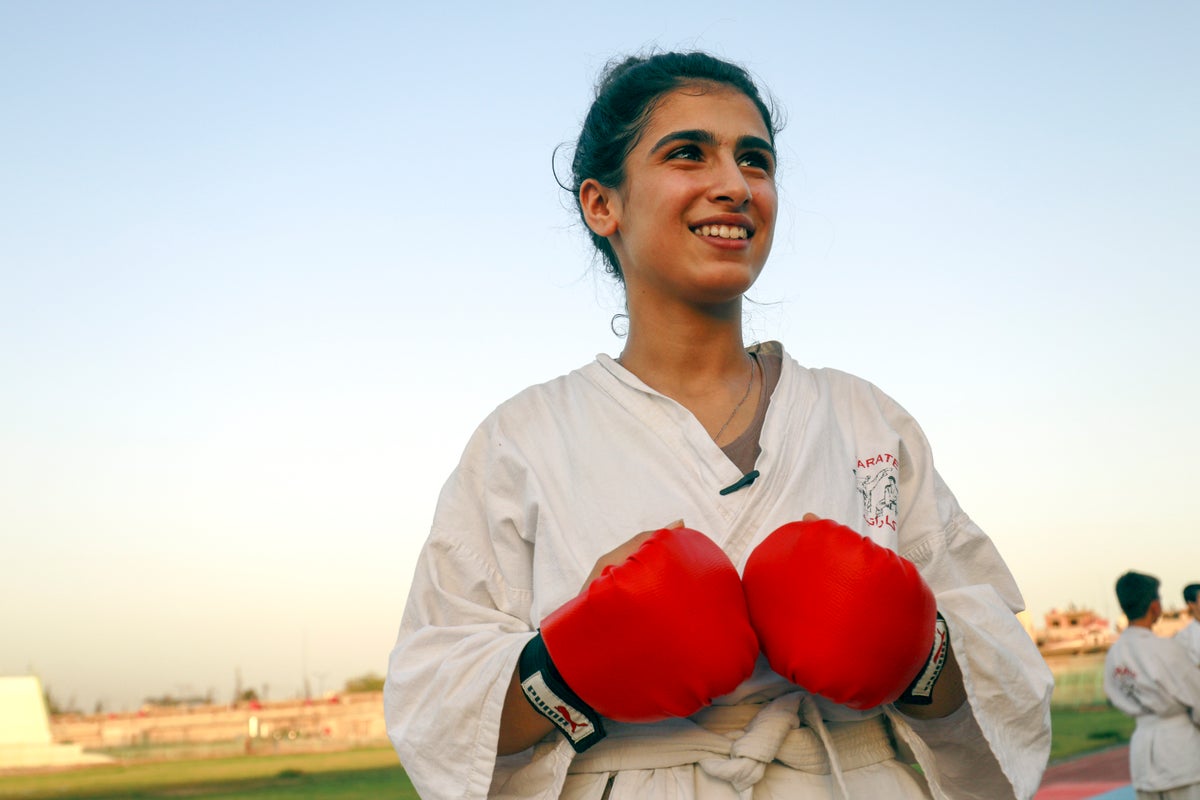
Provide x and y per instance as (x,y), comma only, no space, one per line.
(550,696)
(920,691)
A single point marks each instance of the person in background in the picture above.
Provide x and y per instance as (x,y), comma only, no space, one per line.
(807,611)
(1189,635)
(1152,679)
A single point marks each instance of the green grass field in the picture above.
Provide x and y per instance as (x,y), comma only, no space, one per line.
(1075,732)
(374,774)
(349,775)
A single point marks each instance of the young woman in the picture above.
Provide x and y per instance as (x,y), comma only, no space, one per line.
(618,545)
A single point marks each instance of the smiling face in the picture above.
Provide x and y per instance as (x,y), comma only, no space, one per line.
(693,220)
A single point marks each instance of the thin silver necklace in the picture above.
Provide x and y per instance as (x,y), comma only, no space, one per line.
(732,414)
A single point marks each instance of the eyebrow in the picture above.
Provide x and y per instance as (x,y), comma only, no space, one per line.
(707,138)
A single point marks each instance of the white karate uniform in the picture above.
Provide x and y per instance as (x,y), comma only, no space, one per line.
(1152,679)
(1189,637)
(568,470)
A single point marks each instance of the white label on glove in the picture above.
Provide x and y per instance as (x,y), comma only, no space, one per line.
(923,685)
(573,722)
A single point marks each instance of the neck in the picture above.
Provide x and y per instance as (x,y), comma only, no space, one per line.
(681,353)
(699,361)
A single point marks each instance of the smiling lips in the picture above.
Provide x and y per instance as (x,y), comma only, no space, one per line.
(722,231)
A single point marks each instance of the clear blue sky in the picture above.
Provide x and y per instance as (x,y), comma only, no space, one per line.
(265,265)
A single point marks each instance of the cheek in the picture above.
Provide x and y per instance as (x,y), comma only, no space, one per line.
(765,192)
(767,203)
(767,215)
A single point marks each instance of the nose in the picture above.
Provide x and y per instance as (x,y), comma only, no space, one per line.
(730,186)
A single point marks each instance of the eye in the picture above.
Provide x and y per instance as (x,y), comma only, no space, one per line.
(757,160)
(687,152)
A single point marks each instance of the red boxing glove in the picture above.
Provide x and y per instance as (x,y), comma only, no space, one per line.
(842,616)
(658,635)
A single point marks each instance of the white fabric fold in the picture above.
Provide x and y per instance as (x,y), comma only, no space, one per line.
(737,743)
(758,745)
(812,718)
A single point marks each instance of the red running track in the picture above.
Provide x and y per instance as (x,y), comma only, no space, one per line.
(1086,776)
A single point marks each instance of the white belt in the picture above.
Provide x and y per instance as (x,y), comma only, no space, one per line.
(736,743)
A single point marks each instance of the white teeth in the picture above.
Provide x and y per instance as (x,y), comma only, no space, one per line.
(723,231)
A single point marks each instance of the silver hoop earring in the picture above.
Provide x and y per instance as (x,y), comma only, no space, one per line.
(612,325)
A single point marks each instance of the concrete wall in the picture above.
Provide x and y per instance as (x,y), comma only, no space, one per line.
(346,718)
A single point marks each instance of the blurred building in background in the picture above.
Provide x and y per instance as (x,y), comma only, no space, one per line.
(334,721)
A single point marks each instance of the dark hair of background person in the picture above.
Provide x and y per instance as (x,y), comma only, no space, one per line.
(1135,593)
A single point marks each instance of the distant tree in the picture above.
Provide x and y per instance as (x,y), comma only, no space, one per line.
(169,700)
(247,696)
(370,682)
(56,706)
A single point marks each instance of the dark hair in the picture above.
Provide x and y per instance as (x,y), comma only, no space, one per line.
(1135,593)
(1190,591)
(626,96)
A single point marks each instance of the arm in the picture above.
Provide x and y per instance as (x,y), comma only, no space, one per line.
(1001,735)
(465,621)
(949,693)
(520,726)
(449,674)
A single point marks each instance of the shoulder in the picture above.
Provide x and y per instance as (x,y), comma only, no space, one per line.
(538,395)
(538,415)
(1142,640)
(501,454)
(1129,641)
(555,397)
(848,398)
(1166,654)
(1171,645)
(827,381)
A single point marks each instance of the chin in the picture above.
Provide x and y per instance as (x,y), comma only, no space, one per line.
(722,295)
(729,284)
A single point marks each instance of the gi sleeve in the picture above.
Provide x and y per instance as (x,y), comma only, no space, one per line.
(464,625)
(1000,745)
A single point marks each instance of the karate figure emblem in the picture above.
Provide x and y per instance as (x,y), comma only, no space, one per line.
(877,479)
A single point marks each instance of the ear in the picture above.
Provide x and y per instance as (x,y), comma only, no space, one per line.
(601,207)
